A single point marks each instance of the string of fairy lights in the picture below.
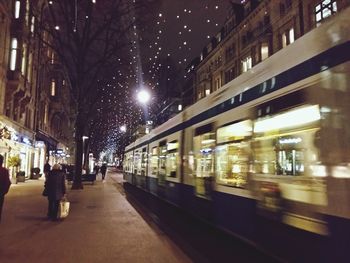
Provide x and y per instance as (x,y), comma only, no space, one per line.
(175,34)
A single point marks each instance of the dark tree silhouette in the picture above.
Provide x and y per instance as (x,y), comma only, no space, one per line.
(88,36)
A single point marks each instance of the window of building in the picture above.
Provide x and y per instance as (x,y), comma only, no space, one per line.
(52,59)
(32,24)
(172,158)
(27,12)
(288,37)
(264,50)
(284,40)
(13,53)
(229,75)
(232,153)
(325,9)
(53,87)
(207,92)
(24,59)
(17,9)
(30,67)
(247,63)
(291,35)
(217,83)
(46,114)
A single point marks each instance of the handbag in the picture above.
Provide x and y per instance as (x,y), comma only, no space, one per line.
(63,210)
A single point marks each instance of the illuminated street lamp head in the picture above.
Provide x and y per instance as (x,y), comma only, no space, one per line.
(123,128)
(143,96)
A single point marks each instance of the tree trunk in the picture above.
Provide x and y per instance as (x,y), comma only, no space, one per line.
(77,183)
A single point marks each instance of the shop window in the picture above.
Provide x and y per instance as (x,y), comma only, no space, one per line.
(172,158)
(325,9)
(232,153)
(284,143)
(204,144)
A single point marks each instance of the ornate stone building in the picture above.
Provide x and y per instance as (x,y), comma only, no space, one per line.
(254,31)
(35,121)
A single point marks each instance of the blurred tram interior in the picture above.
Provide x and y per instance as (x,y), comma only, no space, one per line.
(267,156)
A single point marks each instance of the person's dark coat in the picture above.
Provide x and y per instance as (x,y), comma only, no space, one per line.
(55,185)
(4,181)
(103,169)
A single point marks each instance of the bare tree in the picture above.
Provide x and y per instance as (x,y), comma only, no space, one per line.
(88,36)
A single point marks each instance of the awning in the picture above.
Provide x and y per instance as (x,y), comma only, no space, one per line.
(50,142)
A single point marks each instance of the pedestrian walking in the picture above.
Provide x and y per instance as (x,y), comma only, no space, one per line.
(4,183)
(47,168)
(103,170)
(55,189)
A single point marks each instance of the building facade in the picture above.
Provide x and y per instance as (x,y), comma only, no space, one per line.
(253,31)
(34,116)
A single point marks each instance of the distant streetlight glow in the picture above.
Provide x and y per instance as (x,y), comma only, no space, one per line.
(123,128)
(143,96)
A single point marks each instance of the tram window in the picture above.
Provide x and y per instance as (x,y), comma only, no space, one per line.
(143,161)
(232,155)
(162,162)
(137,162)
(154,161)
(284,144)
(172,158)
(204,162)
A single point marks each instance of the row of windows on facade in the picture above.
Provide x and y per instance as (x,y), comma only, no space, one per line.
(323,10)
(13,59)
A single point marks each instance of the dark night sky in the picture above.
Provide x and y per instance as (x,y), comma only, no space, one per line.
(178,29)
(183,28)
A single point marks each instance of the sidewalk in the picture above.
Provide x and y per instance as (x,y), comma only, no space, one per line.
(102,227)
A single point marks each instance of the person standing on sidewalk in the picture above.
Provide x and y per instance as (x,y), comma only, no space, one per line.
(55,186)
(103,170)
(4,183)
(47,168)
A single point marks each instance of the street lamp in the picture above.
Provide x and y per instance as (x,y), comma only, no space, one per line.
(143,96)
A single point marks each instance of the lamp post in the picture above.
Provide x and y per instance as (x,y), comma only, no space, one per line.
(84,150)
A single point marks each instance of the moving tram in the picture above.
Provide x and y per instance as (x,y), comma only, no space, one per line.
(267,156)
